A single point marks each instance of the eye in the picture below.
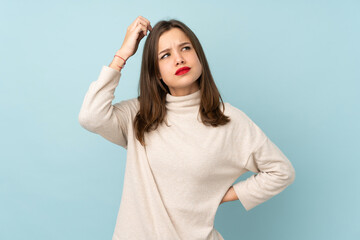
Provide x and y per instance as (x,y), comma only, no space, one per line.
(163,56)
(168,54)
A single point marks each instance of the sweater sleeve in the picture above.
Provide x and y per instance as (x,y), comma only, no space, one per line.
(99,115)
(274,172)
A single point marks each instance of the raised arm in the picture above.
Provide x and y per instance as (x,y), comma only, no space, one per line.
(97,113)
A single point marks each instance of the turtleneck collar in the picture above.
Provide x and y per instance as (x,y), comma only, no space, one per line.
(185,103)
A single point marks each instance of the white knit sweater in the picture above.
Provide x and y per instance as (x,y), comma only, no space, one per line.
(172,189)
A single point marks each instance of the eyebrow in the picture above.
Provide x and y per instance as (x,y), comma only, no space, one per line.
(181,44)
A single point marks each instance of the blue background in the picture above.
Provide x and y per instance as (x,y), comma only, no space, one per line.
(291,66)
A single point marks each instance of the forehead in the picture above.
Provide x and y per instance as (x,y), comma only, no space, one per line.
(172,38)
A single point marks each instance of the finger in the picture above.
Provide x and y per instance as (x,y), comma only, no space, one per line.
(144,25)
(137,21)
(148,23)
(134,24)
(141,29)
(149,27)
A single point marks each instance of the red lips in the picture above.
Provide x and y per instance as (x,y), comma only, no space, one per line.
(182,70)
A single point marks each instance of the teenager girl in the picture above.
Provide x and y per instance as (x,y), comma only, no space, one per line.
(185,147)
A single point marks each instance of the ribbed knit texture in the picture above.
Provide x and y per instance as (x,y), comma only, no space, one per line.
(173,187)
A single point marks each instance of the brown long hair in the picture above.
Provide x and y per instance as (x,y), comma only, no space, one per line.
(152,96)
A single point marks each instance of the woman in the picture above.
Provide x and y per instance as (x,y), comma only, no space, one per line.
(184,148)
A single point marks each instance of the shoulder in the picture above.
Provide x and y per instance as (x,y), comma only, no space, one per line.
(241,121)
(236,114)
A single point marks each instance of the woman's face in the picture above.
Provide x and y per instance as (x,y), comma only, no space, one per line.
(180,53)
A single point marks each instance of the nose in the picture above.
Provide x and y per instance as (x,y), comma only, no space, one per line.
(179,59)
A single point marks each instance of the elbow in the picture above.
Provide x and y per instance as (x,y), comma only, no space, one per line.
(83,120)
(286,175)
(87,121)
(290,174)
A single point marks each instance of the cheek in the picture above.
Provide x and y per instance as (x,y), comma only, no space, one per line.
(165,70)
(198,63)
(195,59)
(198,60)
(161,66)
(161,69)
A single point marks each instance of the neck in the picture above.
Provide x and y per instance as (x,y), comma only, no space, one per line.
(183,104)
(184,91)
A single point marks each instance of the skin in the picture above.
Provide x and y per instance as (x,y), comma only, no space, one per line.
(229,196)
(177,57)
